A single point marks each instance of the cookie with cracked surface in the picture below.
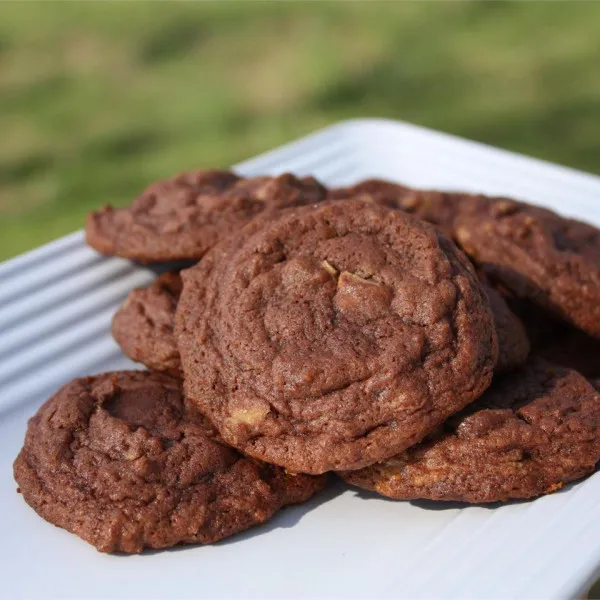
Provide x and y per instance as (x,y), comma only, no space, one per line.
(181,218)
(143,325)
(334,336)
(125,462)
(539,255)
(530,433)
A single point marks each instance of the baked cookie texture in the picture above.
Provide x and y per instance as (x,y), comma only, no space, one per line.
(125,462)
(143,326)
(530,433)
(334,336)
(551,260)
(181,218)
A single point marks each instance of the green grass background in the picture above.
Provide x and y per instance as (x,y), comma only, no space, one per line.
(98,99)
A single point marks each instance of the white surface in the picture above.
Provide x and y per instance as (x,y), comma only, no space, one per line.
(55,309)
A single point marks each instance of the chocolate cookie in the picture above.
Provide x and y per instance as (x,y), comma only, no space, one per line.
(538,255)
(438,208)
(530,433)
(181,218)
(334,336)
(125,462)
(144,324)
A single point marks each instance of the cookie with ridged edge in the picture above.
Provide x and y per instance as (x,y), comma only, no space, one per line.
(143,325)
(334,335)
(530,433)
(181,218)
(125,462)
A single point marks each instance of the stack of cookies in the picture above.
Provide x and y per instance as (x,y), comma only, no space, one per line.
(419,344)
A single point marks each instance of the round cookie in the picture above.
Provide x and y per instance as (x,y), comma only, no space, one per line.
(143,325)
(181,218)
(539,255)
(126,463)
(530,433)
(334,336)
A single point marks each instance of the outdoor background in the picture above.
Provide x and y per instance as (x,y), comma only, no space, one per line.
(99,99)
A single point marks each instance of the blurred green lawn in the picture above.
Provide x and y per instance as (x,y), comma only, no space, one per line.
(98,99)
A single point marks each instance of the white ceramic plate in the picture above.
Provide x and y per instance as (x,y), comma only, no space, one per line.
(55,309)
